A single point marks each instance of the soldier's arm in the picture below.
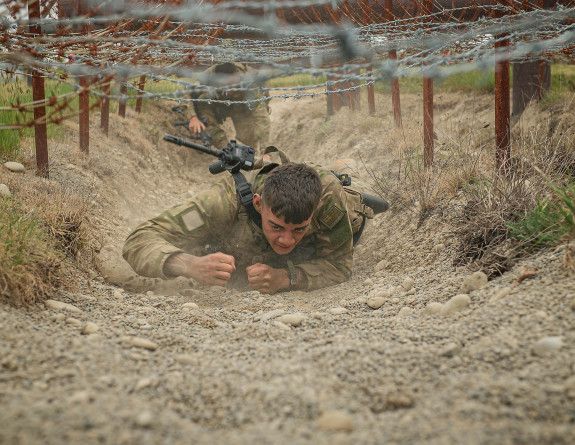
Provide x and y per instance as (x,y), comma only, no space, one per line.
(181,229)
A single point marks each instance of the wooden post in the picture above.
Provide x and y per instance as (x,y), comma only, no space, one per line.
(329,97)
(140,94)
(39,97)
(395,98)
(105,110)
(123,98)
(502,104)
(84,106)
(371,95)
(427,106)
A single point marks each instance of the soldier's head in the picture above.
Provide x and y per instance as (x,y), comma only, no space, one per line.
(226,74)
(290,194)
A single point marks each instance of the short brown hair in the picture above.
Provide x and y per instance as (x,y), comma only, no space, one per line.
(292,191)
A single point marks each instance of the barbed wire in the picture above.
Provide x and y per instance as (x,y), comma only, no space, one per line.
(172,45)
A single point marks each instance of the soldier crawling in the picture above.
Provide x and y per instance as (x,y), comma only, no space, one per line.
(305,240)
(251,120)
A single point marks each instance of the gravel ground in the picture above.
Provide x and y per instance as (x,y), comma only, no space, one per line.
(410,350)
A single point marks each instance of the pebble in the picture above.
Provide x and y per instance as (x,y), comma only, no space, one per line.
(475,281)
(433,308)
(337,310)
(450,349)
(73,321)
(547,346)
(408,283)
(455,304)
(405,311)
(59,305)
(190,305)
(292,319)
(439,247)
(336,421)
(5,191)
(376,302)
(90,328)
(185,359)
(140,342)
(282,326)
(14,166)
(272,314)
(381,265)
(145,419)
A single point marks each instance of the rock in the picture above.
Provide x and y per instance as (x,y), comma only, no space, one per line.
(408,283)
(399,401)
(145,419)
(336,421)
(5,191)
(280,325)
(433,308)
(292,319)
(381,265)
(14,166)
(73,321)
(337,310)
(140,342)
(90,328)
(405,311)
(439,247)
(547,346)
(185,359)
(59,305)
(375,302)
(473,282)
(272,314)
(450,349)
(455,304)
(190,305)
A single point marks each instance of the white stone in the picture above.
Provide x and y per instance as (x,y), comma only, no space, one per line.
(190,305)
(337,310)
(408,283)
(381,265)
(376,302)
(140,342)
(14,166)
(272,314)
(59,305)
(5,191)
(455,304)
(501,293)
(405,311)
(433,308)
(292,319)
(280,325)
(475,281)
(90,328)
(547,345)
(336,421)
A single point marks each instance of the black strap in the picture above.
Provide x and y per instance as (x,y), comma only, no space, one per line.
(246,195)
(357,234)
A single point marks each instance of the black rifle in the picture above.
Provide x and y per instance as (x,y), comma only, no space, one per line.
(204,136)
(233,158)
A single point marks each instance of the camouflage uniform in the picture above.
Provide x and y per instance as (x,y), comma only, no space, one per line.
(215,221)
(251,120)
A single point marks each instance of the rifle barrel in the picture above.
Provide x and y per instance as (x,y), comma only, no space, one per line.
(180,141)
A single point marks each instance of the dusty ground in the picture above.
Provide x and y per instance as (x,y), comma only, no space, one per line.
(137,361)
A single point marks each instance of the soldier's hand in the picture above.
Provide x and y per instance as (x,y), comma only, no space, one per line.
(214,269)
(196,125)
(266,279)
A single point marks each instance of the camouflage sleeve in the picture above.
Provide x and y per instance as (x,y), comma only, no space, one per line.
(182,228)
(333,261)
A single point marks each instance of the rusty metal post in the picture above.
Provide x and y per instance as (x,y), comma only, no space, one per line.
(84,99)
(39,97)
(371,95)
(140,94)
(427,122)
(427,106)
(395,98)
(105,110)
(329,97)
(123,99)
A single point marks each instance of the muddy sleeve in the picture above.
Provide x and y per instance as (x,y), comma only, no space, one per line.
(333,260)
(183,228)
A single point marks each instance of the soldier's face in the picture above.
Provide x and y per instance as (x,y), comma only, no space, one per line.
(282,236)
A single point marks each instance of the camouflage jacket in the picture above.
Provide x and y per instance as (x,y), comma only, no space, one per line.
(215,221)
(223,110)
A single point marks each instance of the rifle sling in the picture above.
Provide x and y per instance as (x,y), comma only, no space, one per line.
(246,195)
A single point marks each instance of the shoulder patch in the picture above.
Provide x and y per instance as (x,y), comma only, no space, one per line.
(191,219)
(331,216)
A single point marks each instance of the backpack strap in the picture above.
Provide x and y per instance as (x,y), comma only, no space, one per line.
(246,195)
